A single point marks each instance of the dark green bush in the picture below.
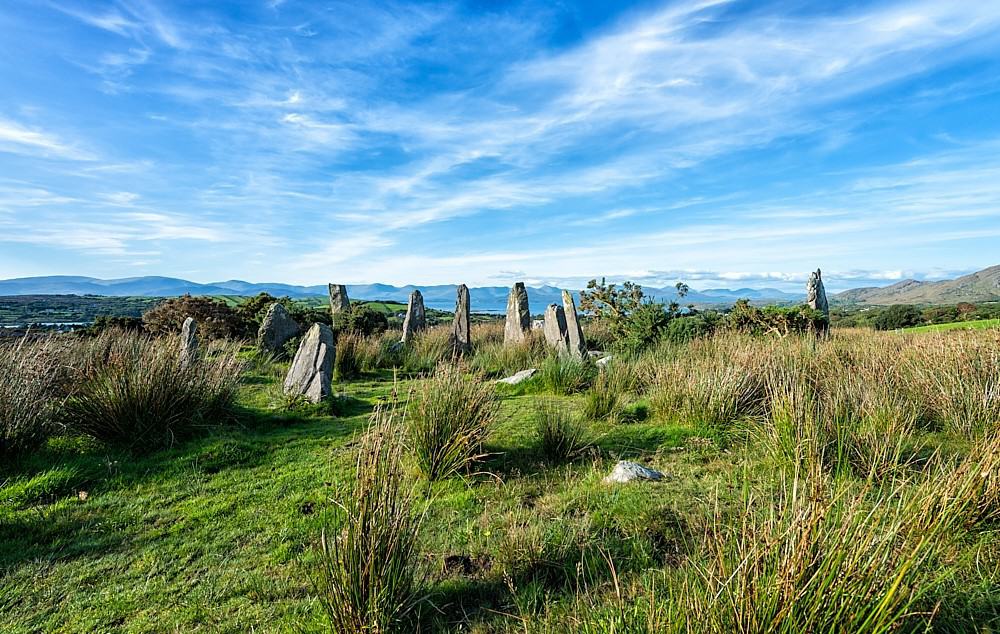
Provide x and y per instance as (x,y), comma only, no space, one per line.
(684,329)
(362,320)
(898,316)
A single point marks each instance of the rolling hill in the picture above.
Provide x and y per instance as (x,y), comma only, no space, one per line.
(981,286)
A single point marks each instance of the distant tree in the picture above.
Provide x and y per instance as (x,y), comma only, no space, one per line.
(897,316)
(216,320)
(964,309)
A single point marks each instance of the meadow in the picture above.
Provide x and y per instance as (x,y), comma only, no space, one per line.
(849,483)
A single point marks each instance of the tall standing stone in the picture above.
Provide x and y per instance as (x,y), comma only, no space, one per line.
(339,301)
(461,337)
(312,367)
(518,324)
(416,316)
(189,341)
(276,329)
(816,297)
(554,329)
(577,343)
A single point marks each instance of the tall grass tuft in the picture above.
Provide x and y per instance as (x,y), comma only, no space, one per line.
(560,374)
(347,361)
(27,402)
(134,391)
(368,579)
(604,398)
(560,437)
(450,418)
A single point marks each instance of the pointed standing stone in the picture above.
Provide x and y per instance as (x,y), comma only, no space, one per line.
(312,368)
(189,341)
(461,338)
(555,328)
(816,297)
(276,329)
(416,318)
(338,300)
(577,343)
(518,316)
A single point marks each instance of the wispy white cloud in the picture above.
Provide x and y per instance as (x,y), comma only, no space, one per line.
(20,139)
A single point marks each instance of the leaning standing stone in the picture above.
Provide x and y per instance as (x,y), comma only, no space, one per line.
(276,329)
(518,315)
(461,337)
(416,318)
(816,297)
(577,344)
(312,368)
(189,341)
(555,328)
(339,301)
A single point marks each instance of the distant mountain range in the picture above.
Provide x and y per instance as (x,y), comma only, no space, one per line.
(982,286)
(486,298)
(977,287)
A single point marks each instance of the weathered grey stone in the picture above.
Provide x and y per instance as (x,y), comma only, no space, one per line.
(518,323)
(816,296)
(461,337)
(416,316)
(626,471)
(338,300)
(312,367)
(555,328)
(577,344)
(189,341)
(518,377)
(603,361)
(276,329)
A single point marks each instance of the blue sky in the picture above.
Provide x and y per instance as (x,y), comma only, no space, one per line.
(727,144)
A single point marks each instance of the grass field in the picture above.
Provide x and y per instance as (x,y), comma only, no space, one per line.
(958,325)
(219,533)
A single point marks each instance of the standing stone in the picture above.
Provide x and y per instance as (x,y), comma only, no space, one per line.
(276,329)
(816,297)
(189,341)
(312,368)
(338,300)
(416,318)
(555,328)
(461,337)
(577,344)
(518,316)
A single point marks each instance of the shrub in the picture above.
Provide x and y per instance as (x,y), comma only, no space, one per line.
(636,321)
(133,390)
(27,403)
(108,322)
(450,418)
(362,320)
(898,316)
(560,437)
(685,329)
(778,320)
(368,577)
(216,320)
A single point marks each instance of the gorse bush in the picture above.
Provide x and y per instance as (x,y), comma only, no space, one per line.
(134,391)
(368,578)
(449,419)
(216,319)
(27,399)
(560,436)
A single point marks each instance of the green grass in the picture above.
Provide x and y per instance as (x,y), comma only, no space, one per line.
(220,533)
(957,325)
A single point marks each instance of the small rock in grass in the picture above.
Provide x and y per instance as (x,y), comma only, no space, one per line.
(626,471)
(603,361)
(518,377)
